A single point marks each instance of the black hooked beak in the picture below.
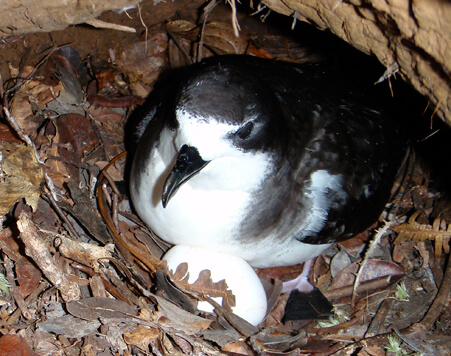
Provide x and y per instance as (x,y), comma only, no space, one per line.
(188,164)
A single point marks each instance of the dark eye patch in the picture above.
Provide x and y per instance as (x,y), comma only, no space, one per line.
(245,130)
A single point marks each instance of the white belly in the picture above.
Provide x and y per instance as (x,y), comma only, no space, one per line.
(193,216)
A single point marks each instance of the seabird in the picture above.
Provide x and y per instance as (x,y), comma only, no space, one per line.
(262,159)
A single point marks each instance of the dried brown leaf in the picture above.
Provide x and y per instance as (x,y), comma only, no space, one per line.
(181,272)
(32,93)
(180,26)
(102,114)
(373,270)
(75,139)
(105,308)
(7,135)
(171,315)
(238,348)
(203,287)
(69,326)
(28,276)
(14,345)
(142,337)
(22,176)
(56,169)
(178,51)
(144,60)
(218,36)
(221,38)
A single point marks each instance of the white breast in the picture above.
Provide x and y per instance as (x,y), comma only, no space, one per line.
(207,209)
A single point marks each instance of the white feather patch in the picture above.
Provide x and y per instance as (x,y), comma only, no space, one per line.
(321,183)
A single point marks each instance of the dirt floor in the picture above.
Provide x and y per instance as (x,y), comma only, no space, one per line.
(81,274)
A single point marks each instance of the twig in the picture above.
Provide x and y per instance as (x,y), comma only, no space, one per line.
(112,26)
(441,299)
(38,250)
(114,210)
(106,194)
(14,290)
(2,91)
(391,70)
(357,318)
(265,16)
(207,11)
(370,251)
(235,24)
(260,8)
(15,316)
(364,287)
(147,259)
(242,326)
(295,19)
(68,224)
(182,50)
(112,183)
(434,112)
(146,36)
(428,136)
(379,318)
(412,344)
(118,286)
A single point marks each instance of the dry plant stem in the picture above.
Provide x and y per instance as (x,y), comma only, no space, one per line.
(108,286)
(370,251)
(82,252)
(332,329)
(379,318)
(118,286)
(146,37)
(106,194)
(207,11)
(2,92)
(112,183)
(38,250)
(363,344)
(15,316)
(69,227)
(229,317)
(367,286)
(182,50)
(235,24)
(441,299)
(97,286)
(114,210)
(115,292)
(14,290)
(102,24)
(147,259)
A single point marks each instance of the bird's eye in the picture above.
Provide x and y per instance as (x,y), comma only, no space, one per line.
(245,130)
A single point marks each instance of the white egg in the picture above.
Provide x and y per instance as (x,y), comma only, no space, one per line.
(250,297)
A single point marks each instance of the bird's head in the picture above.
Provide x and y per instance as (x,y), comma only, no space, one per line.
(222,123)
